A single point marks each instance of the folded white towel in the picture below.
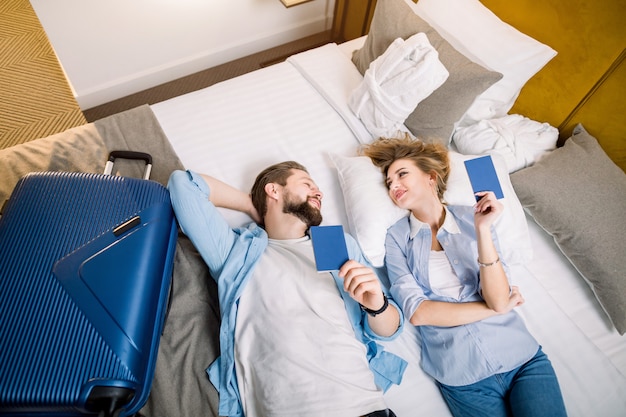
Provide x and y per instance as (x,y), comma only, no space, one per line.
(395,83)
(520,140)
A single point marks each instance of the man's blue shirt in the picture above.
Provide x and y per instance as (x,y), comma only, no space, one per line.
(231,255)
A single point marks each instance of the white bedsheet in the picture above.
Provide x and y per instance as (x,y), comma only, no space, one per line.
(235,128)
(572,294)
(592,385)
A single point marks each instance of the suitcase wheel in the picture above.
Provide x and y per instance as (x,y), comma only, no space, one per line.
(109,401)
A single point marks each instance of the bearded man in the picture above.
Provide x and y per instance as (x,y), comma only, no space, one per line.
(293,341)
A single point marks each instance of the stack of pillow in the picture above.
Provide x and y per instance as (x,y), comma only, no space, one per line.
(488,60)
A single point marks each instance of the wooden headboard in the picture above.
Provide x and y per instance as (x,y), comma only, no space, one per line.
(585,83)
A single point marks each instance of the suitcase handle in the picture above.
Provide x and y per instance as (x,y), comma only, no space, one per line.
(108,168)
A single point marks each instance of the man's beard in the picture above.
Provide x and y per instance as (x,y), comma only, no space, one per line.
(308,214)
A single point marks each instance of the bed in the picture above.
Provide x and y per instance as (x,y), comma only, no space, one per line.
(301,109)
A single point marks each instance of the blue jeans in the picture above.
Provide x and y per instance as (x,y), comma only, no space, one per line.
(531,390)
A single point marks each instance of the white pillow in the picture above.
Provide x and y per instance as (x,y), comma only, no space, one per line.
(485,39)
(369,209)
(371,212)
(511,227)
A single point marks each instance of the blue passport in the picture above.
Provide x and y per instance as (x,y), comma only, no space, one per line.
(483,176)
(329,247)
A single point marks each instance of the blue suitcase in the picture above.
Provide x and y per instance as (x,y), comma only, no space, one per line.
(85,268)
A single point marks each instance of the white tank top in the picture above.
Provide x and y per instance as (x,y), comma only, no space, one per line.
(443,279)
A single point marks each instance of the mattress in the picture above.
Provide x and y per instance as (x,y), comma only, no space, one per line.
(231,132)
(297,110)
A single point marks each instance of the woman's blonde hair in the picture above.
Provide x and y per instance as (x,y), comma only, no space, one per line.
(431,158)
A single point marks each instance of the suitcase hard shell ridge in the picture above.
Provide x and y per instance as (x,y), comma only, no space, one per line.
(85,269)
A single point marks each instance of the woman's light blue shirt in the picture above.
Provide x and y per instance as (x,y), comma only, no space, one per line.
(459,355)
(231,255)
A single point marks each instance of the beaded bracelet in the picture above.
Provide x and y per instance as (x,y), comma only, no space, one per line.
(374,313)
(489,264)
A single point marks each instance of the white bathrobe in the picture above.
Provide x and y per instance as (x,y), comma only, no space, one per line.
(395,83)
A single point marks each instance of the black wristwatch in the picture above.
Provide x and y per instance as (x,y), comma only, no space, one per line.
(374,313)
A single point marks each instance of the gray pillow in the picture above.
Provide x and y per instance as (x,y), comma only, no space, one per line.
(435,117)
(578,195)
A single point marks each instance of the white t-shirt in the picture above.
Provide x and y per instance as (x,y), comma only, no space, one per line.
(295,350)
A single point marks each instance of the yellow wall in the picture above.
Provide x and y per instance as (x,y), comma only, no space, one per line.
(351,19)
(604,115)
(589,37)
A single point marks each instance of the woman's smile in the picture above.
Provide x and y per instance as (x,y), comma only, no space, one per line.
(398,194)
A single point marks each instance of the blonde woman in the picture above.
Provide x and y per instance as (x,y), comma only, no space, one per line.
(447,275)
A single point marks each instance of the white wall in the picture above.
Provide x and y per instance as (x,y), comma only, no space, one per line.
(113,48)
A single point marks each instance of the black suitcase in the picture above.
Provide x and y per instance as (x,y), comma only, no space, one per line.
(85,268)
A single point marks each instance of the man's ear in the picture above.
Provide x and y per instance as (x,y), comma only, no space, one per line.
(271,189)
